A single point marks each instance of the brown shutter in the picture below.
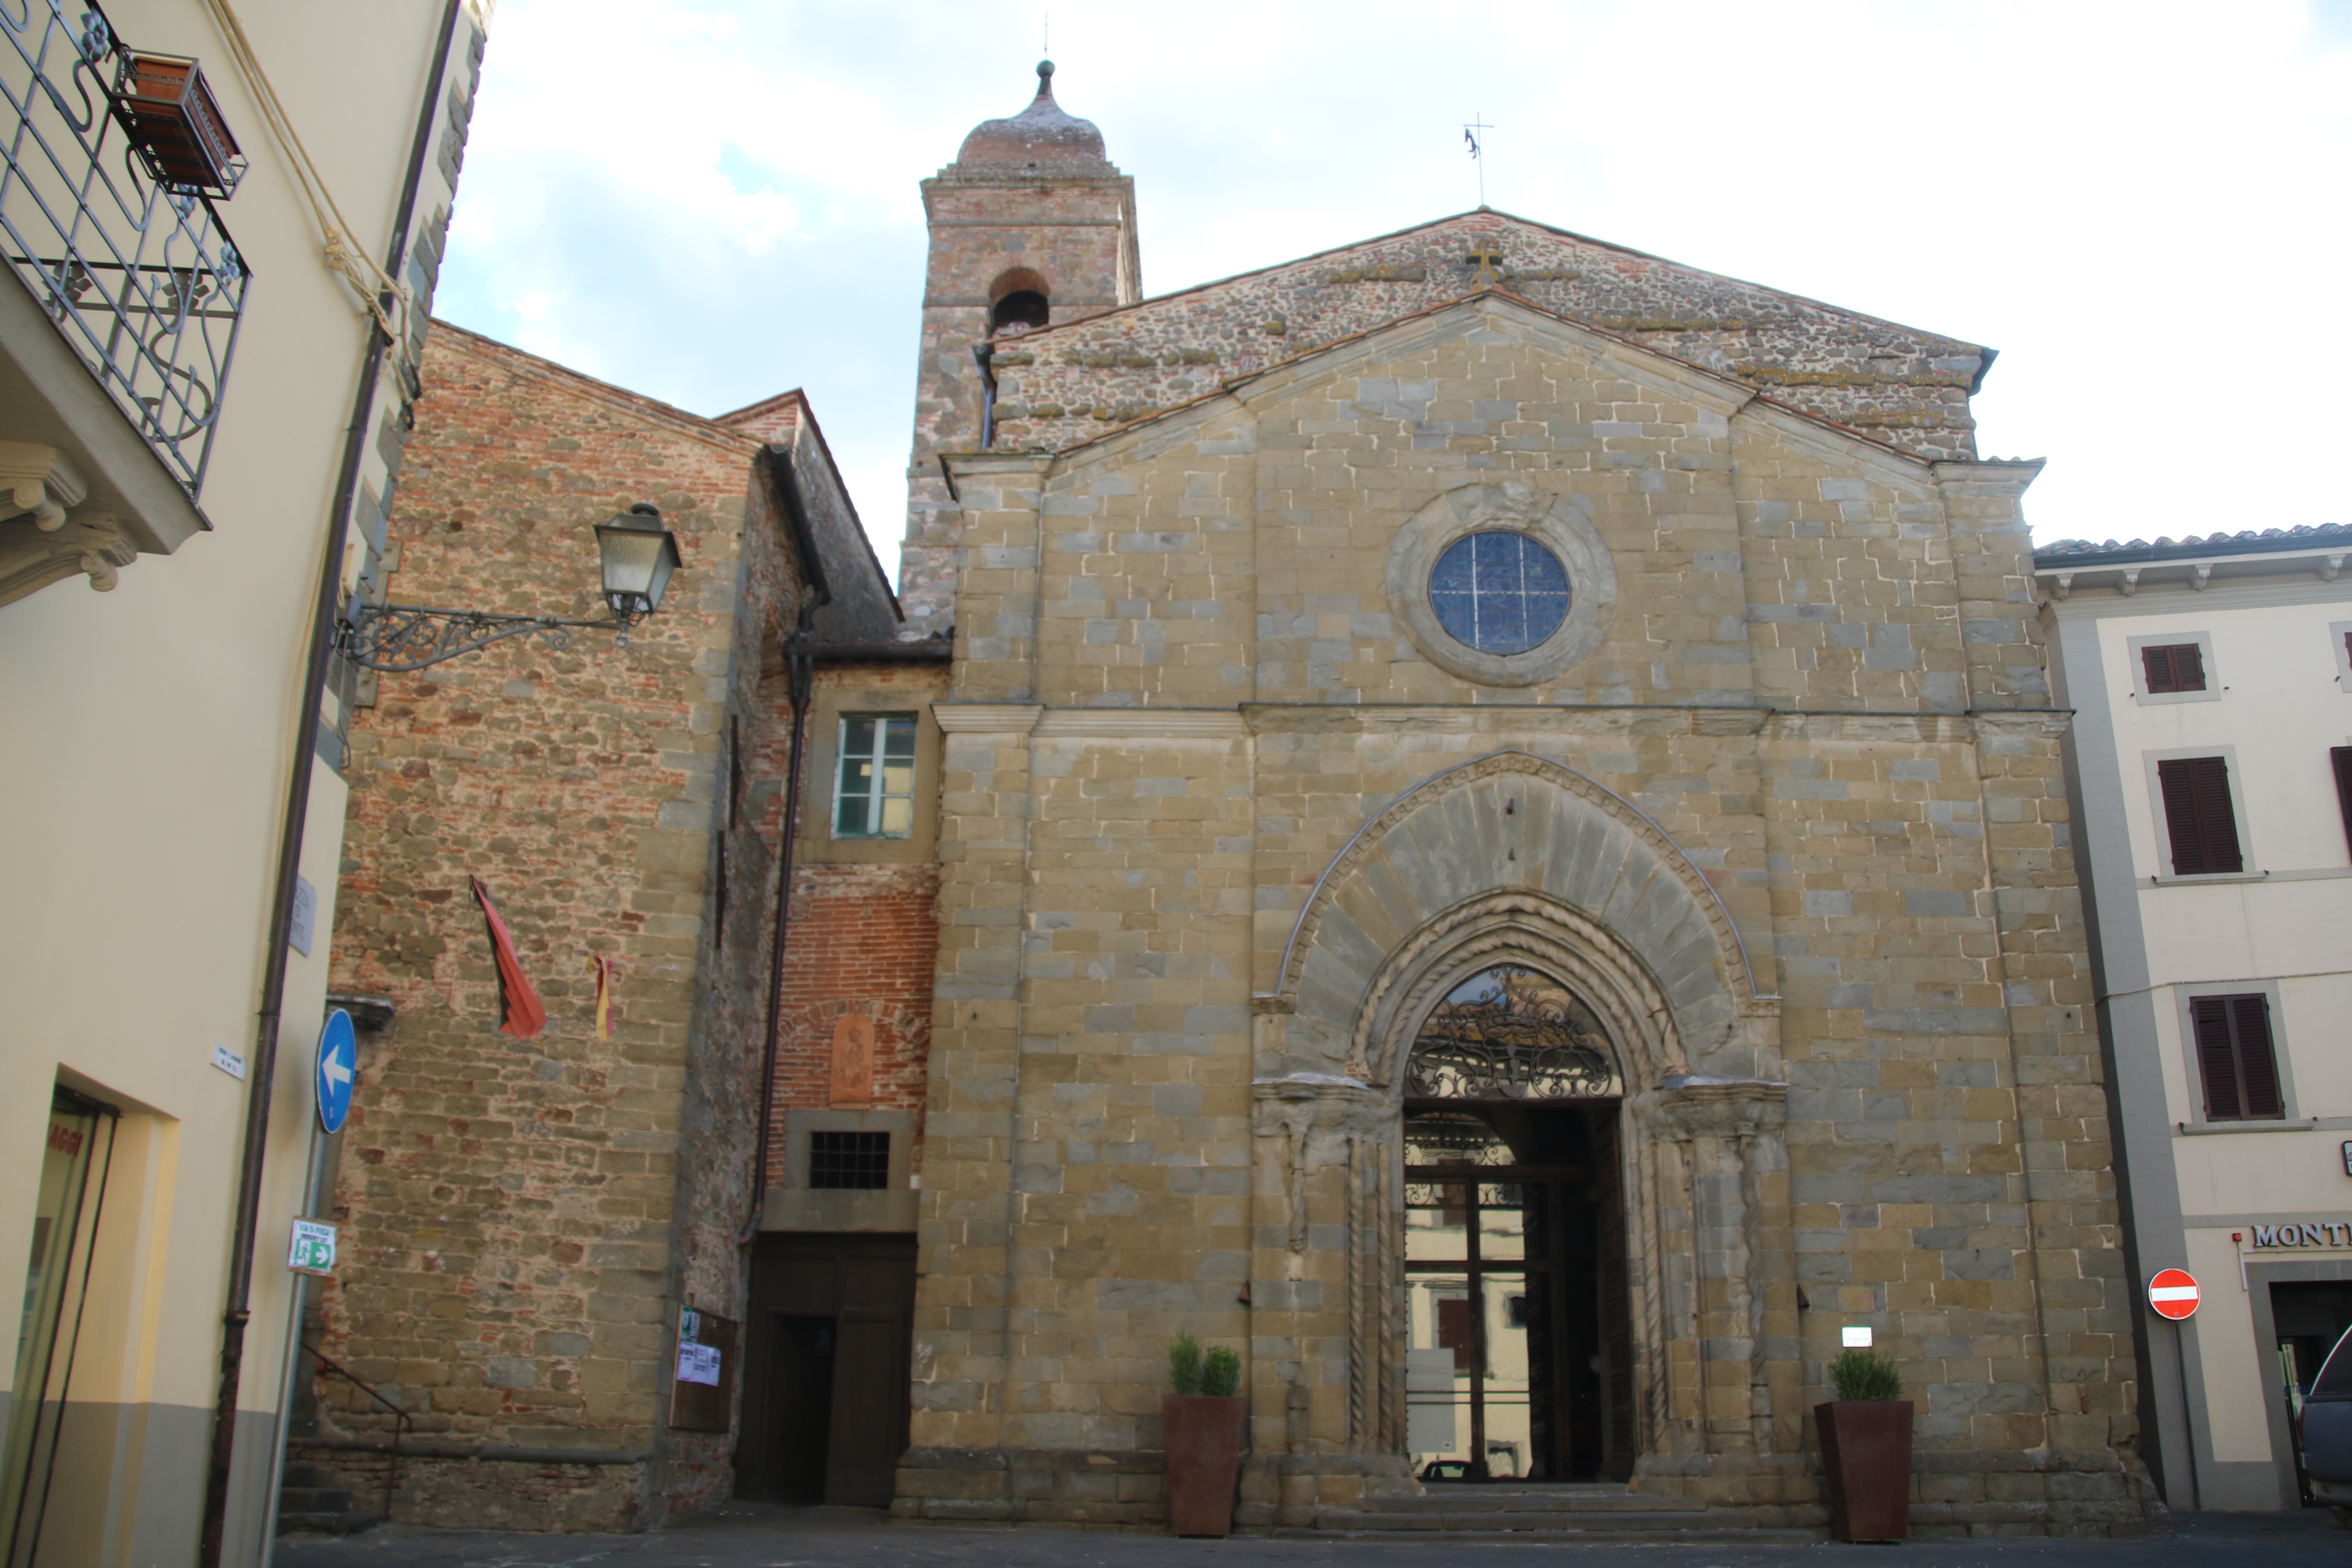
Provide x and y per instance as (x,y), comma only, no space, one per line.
(2198,819)
(2188,667)
(2179,792)
(2175,667)
(2217,824)
(2250,1018)
(2215,1062)
(2236,1058)
(2341,756)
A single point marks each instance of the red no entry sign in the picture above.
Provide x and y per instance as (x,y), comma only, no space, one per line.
(2173,1293)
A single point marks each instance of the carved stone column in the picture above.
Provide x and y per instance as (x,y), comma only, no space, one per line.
(1721,1161)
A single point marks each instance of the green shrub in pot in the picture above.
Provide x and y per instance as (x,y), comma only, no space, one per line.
(1185,1363)
(1865,1375)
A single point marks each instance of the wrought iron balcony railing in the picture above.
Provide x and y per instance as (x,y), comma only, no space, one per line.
(133,265)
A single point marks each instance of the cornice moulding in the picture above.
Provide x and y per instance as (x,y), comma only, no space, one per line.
(986,718)
(1153,723)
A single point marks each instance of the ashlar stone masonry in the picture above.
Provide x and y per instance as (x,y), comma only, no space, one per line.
(1228,817)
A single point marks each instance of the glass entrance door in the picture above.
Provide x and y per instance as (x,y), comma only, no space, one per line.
(1518,1360)
(64,1220)
(1508,1352)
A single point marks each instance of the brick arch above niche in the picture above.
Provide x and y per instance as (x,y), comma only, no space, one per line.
(1471,846)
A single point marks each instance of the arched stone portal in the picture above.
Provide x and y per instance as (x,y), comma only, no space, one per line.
(1516,860)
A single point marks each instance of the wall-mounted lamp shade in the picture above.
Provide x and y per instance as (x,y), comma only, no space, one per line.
(639,556)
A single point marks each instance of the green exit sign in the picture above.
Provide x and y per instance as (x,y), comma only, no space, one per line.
(313,1251)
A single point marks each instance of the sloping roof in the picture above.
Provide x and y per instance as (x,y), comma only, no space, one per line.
(2247,541)
(1059,385)
(862,606)
(1740,393)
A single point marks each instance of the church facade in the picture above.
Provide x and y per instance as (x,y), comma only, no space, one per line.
(1502,851)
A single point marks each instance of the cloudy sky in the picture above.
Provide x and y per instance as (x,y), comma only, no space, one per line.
(2141,205)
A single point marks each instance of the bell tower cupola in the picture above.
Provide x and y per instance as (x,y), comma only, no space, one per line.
(1031,227)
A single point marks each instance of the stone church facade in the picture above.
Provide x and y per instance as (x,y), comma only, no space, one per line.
(1486,738)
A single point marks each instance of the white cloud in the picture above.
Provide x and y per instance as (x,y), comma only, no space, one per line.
(712,201)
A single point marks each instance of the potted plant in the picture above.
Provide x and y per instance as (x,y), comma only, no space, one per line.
(1205,1417)
(1866,1448)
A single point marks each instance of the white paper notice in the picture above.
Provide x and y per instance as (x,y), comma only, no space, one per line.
(698,1364)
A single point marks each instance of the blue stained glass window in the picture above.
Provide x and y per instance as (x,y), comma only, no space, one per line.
(1500,593)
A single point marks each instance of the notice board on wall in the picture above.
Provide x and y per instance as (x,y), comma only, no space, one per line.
(702,1394)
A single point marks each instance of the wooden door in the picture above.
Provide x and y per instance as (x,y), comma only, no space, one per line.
(826,1409)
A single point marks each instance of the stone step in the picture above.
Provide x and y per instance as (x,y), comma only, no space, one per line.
(333,1522)
(1489,1500)
(1727,1524)
(1604,1530)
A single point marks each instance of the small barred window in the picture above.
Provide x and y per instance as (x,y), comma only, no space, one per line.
(849,1160)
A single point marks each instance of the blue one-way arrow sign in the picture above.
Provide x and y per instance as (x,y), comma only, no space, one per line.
(338,1060)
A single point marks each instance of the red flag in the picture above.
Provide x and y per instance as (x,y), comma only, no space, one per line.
(524,1014)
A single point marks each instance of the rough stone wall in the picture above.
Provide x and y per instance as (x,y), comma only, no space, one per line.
(525,1217)
(1077,232)
(1069,383)
(1184,688)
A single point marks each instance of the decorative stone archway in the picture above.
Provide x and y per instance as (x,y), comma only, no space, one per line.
(1514,858)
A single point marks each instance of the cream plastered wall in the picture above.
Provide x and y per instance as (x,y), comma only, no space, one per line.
(2235,1370)
(150,734)
(2280,706)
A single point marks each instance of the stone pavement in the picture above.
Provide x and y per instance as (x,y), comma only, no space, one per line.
(747,1535)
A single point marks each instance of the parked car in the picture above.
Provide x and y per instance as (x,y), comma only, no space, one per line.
(2327,1431)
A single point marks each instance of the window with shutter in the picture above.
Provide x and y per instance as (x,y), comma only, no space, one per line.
(2173,666)
(2197,817)
(2236,1060)
(2341,756)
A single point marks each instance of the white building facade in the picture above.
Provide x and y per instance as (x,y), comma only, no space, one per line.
(2210,769)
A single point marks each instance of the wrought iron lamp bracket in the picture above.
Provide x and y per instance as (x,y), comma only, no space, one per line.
(400,638)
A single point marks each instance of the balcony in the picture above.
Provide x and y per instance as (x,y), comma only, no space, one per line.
(114,352)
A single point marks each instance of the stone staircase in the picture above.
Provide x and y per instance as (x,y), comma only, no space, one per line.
(1598,1514)
(308,1504)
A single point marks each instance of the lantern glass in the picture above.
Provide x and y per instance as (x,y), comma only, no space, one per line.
(639,554)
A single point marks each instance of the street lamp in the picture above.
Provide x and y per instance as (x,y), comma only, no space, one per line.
(638,555)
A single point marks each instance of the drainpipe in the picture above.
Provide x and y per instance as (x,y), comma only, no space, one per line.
(800,678)
(237,1309)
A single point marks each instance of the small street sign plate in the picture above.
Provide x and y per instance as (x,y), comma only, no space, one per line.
(339,1062)
(313,1249)
(2173,1293)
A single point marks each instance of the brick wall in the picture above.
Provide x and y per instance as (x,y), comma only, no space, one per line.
(864,938)
(525,1217)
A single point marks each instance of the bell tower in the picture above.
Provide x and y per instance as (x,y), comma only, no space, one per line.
(1031,227)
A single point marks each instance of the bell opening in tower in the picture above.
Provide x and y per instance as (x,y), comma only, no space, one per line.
(1019,312)
(1519,1359)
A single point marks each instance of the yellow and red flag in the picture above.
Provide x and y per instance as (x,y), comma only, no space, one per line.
(603,968)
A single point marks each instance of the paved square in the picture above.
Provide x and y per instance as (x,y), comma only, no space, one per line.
(750,1535)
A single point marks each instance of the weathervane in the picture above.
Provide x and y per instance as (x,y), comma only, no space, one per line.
(1477,150)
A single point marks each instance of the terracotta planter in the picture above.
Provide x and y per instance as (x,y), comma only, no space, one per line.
(1204,1461)
(1866,1459)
